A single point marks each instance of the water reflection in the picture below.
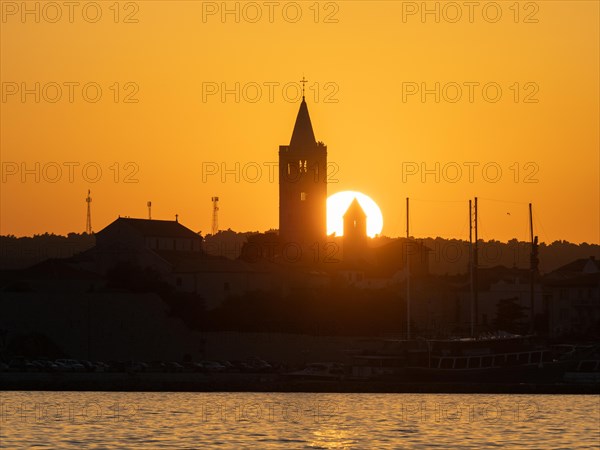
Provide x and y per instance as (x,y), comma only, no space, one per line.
(277,420)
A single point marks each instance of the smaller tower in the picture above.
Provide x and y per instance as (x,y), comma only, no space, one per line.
(215,217)
(149,205)
(355,232)
(88,223)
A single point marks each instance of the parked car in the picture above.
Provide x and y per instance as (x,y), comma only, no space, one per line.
(60,367)
(136,366)
(156,366)
(212,366)
(71,365)
(228,366)
(22,365)
(116,366)
(88,365)
(173,366)
(259,365)
(242,366)
(100,366)
(193,366)
(45,365)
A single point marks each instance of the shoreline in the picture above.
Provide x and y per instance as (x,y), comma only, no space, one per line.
(195,382)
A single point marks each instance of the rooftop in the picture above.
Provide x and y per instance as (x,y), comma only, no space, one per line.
(157,228)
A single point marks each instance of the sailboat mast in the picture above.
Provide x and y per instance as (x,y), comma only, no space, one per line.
(531,223)
(475,268)
(471,268)
(407,273)
(532,268)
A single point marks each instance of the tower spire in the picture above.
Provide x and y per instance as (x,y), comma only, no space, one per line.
(303,81)
(303,136)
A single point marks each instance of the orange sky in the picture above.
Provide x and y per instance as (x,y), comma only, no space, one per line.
(173,134)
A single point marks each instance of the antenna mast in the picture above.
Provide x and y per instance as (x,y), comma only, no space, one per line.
(215,217)
(88,223)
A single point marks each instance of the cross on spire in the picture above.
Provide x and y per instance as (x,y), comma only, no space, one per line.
(303,81)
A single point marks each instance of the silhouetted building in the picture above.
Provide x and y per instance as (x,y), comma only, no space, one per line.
(137,241)
(355,232)
(175,252)
(302,186)
(377,263)
(572,297)
(497,286)
(392,254)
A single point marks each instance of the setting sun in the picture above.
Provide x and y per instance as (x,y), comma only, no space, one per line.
(191,224)
(338,203)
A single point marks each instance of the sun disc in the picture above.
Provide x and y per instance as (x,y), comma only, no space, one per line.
(338,203)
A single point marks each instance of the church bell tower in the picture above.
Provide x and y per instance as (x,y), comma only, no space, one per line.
(355,232)
(303,185)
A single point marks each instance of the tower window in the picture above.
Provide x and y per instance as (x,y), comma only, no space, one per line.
(302,196)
